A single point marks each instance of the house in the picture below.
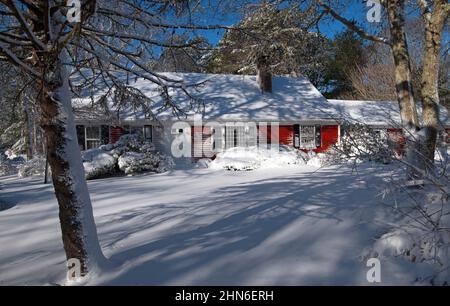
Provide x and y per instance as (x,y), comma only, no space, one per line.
(216,112)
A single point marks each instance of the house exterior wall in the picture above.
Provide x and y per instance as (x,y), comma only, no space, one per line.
(163,136)
(329,135)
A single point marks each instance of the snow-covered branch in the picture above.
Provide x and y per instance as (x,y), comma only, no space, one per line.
(352,25)
(15,60)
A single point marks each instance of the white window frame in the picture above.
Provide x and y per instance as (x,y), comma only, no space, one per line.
(86,139)
(301,143)
(145,134)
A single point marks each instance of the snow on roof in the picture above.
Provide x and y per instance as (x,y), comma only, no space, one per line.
(228,97)
(238,97)
(367,112)
(377,113)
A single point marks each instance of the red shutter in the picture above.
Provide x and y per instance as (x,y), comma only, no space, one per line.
(116,132)
(330,136)
(286,135)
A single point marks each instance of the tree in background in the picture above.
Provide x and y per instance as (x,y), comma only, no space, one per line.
(347,52)
(187,59)
(19,128)
(375,79)
(280,36)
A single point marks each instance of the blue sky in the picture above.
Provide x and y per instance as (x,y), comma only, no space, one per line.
(329,27)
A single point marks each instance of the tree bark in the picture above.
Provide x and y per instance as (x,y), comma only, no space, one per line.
(404,88)
(434,24)
(264,76)
(79,233)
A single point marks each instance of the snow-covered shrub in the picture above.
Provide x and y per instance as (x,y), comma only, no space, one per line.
(250,158)
(33,167)
(133,142)
(134,162)
(136,156)
(362,143)
(128,155)
(98,163)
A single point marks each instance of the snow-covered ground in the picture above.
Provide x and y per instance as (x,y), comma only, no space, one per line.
(285,226)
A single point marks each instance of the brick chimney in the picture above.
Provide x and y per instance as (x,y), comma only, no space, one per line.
(264,76)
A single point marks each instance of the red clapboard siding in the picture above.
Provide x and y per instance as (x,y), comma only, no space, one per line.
(116,132)
(286,134)
(330,136)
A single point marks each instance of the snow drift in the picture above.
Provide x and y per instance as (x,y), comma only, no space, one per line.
(250,158)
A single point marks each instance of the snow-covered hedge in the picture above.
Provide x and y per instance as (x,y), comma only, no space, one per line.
(243,159)
(128,155)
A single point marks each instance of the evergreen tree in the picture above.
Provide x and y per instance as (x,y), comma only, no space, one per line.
(186,59)
(347,54)
(282,36)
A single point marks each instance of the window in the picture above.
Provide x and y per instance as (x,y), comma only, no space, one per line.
(148,133)
(93,137)
(306,136)
(235,136)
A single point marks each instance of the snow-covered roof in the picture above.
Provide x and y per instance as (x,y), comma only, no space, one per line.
(367,112)
(238,97)
(377,113)
(229,97)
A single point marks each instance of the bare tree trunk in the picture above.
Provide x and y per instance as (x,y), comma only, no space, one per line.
(29,124)
(434,24)
(405,94)
(79,231)
(404,88)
